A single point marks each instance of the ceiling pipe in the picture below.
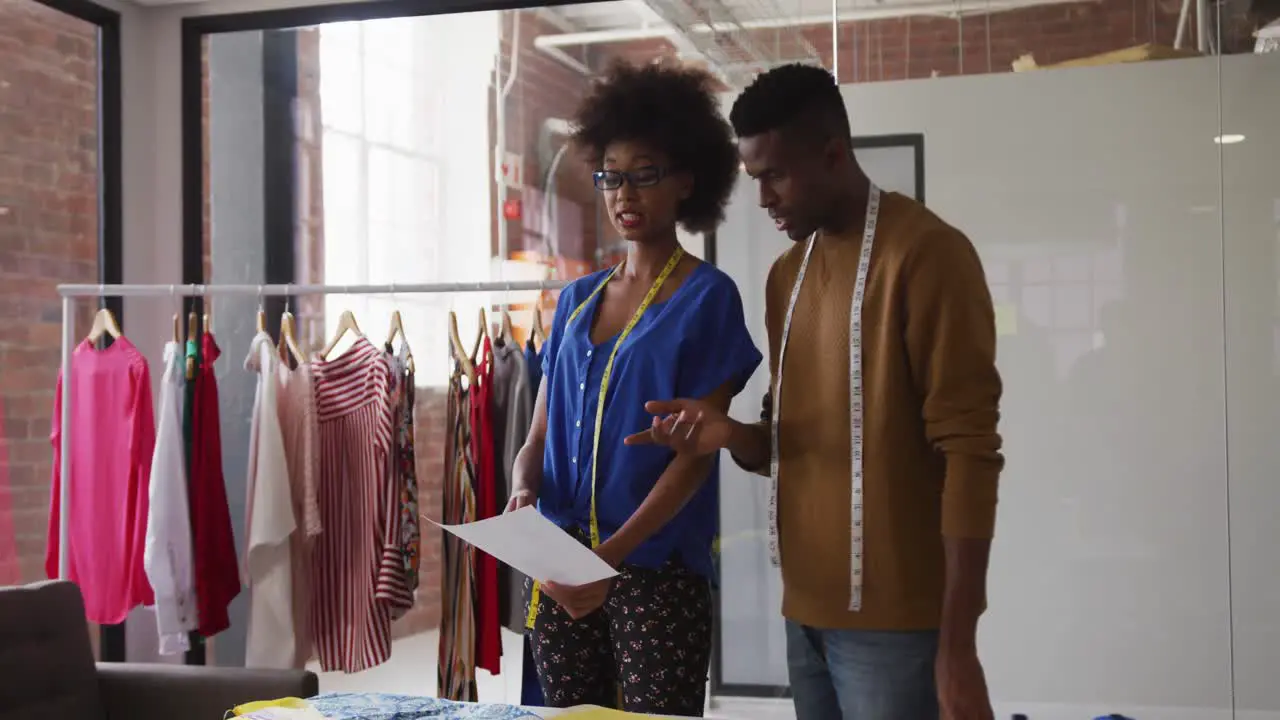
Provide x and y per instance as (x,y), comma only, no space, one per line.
(1202,25)
(612,35)
(944,9)
(562,57)
(1183,16)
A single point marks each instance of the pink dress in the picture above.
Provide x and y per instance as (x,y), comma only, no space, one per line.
(113,436)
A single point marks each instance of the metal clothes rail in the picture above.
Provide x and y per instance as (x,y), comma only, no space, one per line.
(69,294)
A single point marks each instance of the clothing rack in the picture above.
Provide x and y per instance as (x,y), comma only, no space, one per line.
(69,294)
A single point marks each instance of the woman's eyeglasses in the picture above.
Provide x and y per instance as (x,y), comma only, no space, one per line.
(613,179)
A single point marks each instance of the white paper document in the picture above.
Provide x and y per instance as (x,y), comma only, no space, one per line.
(534,546)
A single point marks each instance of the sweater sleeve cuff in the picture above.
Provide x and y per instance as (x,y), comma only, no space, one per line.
(969,497)
(762,471)
(765,469)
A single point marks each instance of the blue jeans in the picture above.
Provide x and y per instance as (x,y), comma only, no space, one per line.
(862,674)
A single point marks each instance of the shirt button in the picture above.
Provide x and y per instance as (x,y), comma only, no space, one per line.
(588,353)
(575,461)
(578,424)
(582,386)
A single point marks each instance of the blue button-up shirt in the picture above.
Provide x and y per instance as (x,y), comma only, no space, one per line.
(687,346)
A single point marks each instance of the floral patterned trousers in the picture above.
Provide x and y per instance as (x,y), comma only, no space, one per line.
(651,640)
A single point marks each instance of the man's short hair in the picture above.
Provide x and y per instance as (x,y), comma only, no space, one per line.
(792,96)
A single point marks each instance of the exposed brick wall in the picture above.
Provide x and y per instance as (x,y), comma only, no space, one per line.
(48,235)
(543,88)
(926,46)
(921,47)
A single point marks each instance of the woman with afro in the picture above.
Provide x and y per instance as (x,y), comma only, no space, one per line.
(660,324)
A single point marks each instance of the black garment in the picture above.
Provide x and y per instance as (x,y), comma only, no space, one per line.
(653,635)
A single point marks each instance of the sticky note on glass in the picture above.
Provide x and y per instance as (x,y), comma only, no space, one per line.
(1006,319)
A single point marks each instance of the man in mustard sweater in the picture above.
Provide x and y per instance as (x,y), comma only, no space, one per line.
(879,430)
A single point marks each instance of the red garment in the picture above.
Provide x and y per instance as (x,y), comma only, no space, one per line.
(213,546)
(488,626)
(113,435)
(350,618)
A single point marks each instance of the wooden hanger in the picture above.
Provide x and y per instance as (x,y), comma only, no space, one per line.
(346,323)
(480,336)
(508,332)
(459,351)
(177,315)
(208,315)
(192,328)
(538,332)
(287,345)
(104,322)
(397,328)
(262,313)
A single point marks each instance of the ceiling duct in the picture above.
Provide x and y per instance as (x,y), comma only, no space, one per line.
(716,32)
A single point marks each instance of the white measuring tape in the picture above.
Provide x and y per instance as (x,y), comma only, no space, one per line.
(855,402)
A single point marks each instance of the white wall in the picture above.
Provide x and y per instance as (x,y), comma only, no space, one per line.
(1093,196)
(1251,223)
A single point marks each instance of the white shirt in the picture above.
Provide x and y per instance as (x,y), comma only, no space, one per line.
(167,557)
(1268,38)
(269,507)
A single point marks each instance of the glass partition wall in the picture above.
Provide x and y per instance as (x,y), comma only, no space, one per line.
(386,150)
(1112,160)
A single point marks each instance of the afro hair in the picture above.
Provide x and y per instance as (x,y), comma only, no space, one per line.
(791,95)
(674,109)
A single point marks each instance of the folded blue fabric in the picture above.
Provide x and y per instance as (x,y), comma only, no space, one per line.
(382,706)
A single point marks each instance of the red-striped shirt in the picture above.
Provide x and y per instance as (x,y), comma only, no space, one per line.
(350,624)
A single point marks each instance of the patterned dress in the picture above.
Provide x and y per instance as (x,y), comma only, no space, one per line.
(457,662)
(402,496)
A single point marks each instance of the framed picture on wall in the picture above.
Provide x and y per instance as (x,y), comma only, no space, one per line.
(894,162)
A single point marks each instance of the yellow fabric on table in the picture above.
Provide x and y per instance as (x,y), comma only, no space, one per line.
(599,713)
(292,703)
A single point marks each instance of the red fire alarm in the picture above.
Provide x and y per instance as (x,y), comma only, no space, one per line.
(511,209)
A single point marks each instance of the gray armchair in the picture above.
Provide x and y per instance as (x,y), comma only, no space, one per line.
(47,670)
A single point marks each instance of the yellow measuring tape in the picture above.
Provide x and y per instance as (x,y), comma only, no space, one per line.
(604,390)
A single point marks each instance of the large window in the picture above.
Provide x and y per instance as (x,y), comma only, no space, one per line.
(404,107)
